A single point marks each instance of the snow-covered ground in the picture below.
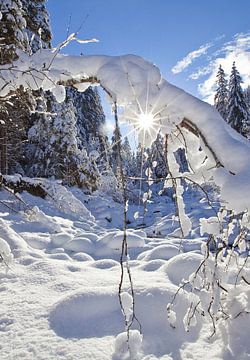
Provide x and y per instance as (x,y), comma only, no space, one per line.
(59,296)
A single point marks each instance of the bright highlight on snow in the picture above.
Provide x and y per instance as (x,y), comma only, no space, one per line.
(146,121)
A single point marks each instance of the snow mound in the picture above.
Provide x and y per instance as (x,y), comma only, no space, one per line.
(61,238)
(182,266)
(86,315)
(37,241)
(140,233)
(60,256)
(164,252)
(114,240)
(82,225)
(48,223)
(66,202)
(89,235)
(80,256)
(80,245)
(105,264)
(14,240)
(6,256)
(153,265)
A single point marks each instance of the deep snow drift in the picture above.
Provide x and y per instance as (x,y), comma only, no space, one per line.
(59,297)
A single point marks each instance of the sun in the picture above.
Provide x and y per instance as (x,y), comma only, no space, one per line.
(146,121)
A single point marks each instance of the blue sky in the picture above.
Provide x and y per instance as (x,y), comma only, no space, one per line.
(162,31)
(186,39)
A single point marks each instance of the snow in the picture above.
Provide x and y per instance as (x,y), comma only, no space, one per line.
(61,238)
(125,79)
(5,253)
(59,93)
(59,297)
(79,245)
(164,252)
(210,226)
(128,349)
(187,263)
(127,305)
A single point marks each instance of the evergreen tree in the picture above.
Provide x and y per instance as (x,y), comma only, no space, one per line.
(157,157)
(115,156)
(16,108)
(221,95)
(38,136)
(81,116)
(55,144)
(127,157)
(238,116)
(23,23)
(38,148)
(247,97)
(181,159)
(37,24)
(39,36)
(90,120)
(13,36)
(143,163)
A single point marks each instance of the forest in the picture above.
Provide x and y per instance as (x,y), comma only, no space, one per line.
(110,250)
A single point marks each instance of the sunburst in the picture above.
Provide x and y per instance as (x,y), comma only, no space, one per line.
(146,121)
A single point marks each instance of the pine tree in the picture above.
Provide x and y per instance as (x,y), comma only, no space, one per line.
(55,143)
(142,164)
(23,24)
(12,40)
(45,138)
(13,36)
(247,97)
(157,157)
(127,157)
(14,110)
(37,24)
(38,147)
(115,156)
(221,95)
(238,116)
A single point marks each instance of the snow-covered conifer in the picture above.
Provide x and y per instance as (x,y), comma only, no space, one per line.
(127,156)
(38,27)
(157,156)
(238,116)
(115,156)
(13,36)
(221,95)
(247,97)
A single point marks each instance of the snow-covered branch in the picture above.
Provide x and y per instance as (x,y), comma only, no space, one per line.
(137,86)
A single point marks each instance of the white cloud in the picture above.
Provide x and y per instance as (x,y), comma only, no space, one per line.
(187,60)
(237,50)
(201,72)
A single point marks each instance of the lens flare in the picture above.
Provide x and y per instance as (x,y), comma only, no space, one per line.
(146,121)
